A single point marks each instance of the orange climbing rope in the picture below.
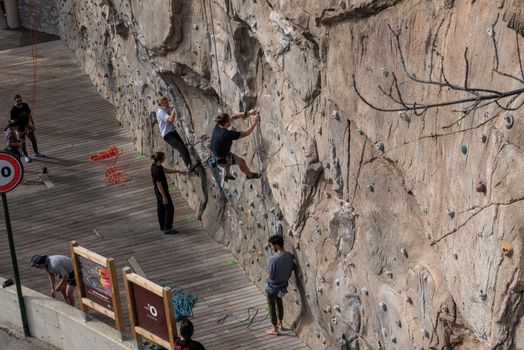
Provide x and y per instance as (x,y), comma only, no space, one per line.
(113,174)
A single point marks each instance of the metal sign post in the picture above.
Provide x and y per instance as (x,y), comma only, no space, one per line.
(11,173)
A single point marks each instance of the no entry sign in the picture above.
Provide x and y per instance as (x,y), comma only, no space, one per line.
(11,172)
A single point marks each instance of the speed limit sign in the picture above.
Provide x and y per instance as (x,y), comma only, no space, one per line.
(11,172)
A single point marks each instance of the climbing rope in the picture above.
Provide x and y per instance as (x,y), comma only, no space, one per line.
(113,175)
(214,49)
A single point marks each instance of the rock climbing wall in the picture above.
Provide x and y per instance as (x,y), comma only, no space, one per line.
(408,226)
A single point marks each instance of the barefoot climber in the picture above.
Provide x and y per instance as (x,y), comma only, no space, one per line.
(61,266)
(279,268)
(164,204)
(222,140)
(165,116)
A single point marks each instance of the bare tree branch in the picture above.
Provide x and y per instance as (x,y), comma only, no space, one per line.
(480,96)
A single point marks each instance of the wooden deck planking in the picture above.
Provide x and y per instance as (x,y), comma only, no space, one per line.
(73,122)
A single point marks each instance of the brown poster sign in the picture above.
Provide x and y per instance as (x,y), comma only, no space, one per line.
(96,282)
(150,311)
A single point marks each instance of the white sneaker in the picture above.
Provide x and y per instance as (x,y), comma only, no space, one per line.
(27,159)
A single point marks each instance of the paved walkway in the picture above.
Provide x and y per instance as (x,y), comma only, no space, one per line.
(73,122)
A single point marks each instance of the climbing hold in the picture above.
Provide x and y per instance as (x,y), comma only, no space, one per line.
(389,274)
(319,130)
(337,282)
(369,68)
(337,308)
(425,333)
(327,309)
(483,138)
(383,306)
(379,145)
(451,213)
(371,188)
(274,184)
(483,296)
(384,333)
(394,340)
(455,256)
(360,131)
(507,248)
(398,323)
(335,115)
(464,149)
(486,114)
(319,289)
(508,121)
(404,252)
(364,291)
(317,230)
(404,116)
(334,320)
(444,309)
(408,300)
(481,186)
(384,71)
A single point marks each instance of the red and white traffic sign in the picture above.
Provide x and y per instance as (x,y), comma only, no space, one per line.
(11,172)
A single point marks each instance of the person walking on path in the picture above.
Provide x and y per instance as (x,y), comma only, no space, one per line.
(166,116)
(58,266)
(12,140)
(164,204)
(279,268)
(222,140)
(185,342)
(23,118)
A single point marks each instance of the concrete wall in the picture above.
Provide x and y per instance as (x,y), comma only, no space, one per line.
(55,323)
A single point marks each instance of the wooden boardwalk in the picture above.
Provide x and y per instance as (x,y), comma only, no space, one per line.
(73,122)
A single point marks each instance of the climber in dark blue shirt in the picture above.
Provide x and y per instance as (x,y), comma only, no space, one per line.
(222,140)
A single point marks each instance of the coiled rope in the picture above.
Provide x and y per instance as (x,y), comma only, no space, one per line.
(113,174)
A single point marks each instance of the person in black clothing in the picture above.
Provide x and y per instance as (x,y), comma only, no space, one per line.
(185,342)
(222,140)
(164,204)
(21,115)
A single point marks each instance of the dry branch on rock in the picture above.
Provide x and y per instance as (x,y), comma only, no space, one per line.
(479,96)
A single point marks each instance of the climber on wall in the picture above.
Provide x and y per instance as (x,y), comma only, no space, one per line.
(166,122)
(222,140)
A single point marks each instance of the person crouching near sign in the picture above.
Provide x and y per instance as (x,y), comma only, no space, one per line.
(12,139)
(164,204)
(61,266)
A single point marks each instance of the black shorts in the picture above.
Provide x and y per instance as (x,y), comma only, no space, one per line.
(71,279)
(231,159)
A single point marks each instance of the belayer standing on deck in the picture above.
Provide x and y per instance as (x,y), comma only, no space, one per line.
(164,203)
(222,140)
(23,118)
(279,268)
(165,116)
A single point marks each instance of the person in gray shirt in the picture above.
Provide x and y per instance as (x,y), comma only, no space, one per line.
(279,268)
(61,266)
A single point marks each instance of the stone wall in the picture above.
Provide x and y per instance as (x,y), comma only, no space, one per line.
(398,246)
(41,15)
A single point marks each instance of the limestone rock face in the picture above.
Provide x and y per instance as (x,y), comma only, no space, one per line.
(397,220)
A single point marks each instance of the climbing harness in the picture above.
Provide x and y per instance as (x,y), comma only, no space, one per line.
(113,174)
